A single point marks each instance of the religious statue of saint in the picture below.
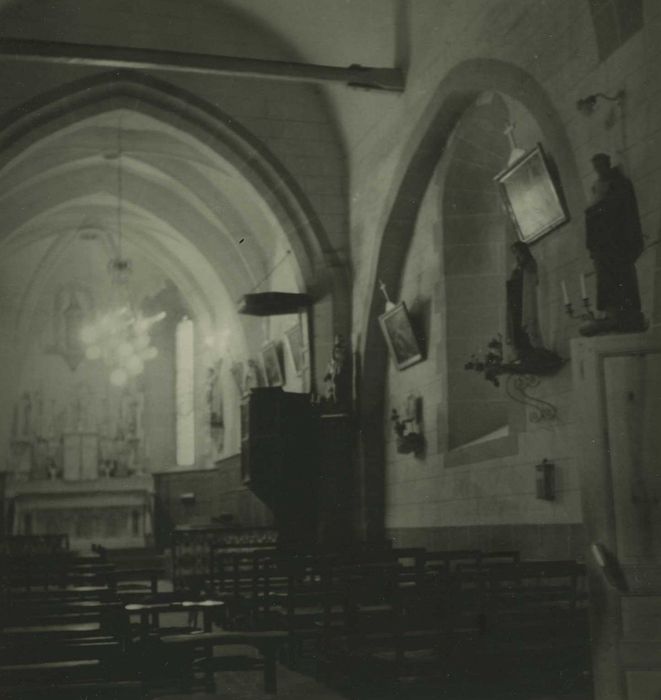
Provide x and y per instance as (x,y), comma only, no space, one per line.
(337,380)
(615,240)
(523,316)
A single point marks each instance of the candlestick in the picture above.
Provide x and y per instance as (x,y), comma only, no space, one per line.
(565,296)
(584,294)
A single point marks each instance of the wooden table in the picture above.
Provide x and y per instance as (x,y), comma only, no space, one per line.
(145,610)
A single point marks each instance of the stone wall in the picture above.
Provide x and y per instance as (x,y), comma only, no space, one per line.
(397,224)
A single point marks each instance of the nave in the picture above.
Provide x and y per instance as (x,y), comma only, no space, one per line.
(248,620)
(333,328)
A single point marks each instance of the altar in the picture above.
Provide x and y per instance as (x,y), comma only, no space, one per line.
(110,511)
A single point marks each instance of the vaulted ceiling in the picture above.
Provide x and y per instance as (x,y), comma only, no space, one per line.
(180,206)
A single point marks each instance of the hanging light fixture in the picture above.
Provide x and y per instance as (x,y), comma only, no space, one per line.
(121,337)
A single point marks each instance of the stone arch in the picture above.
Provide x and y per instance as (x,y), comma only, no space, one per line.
(324,276)
(457,91)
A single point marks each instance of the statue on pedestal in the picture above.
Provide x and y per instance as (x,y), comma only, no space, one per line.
(522,323)
(615,240)
(523,332)
(337,380)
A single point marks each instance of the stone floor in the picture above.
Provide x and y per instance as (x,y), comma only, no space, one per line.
(292,685)
(295,685)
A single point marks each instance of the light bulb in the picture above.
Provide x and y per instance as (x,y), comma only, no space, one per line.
(88,334)
(118,377)
(134,364)
(106,323)
(125,349)
(141,341)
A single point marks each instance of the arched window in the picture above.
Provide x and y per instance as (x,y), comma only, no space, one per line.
(185,396)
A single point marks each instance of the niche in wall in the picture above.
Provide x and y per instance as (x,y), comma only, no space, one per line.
(477,234)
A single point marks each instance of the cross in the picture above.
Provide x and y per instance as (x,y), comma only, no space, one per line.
(384,291)
(509,132)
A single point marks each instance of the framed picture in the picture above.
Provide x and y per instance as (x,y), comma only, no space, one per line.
(295,342)
(531,196)
(254,376)
(237,374)
(400,338)
(272,369)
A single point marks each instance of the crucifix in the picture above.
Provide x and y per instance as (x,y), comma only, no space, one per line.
(515,151)
(384,291)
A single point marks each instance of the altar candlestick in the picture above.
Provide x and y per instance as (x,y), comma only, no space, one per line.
(565,296)
(584,293)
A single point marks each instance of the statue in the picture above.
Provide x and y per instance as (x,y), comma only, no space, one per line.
(524,336)
(522,322)
(337,380)
(614,239)
(215,395)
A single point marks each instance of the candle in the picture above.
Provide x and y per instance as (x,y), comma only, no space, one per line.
(584,293)
(565,296)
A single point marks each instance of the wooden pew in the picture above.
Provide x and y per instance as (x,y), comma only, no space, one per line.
(532,615)
(74,646)
(426,619)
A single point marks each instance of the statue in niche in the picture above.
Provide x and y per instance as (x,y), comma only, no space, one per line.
(614,239)
(522,313)
(132,410)
(215,395)
(120,452)
(215,408)
(337,379)
(107,456)
(72,305)
(523,332)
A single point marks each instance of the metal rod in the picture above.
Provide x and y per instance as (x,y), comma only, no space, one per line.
(151,59)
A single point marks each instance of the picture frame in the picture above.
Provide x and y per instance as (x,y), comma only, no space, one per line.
(272,368)
(237,373)
(400,338)
(295,341)
(532,197)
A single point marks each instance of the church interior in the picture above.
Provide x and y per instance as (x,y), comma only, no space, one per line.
(330,339)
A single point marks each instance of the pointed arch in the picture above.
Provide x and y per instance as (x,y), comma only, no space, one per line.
(457,91)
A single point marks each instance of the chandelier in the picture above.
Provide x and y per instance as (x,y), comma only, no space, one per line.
(121,336)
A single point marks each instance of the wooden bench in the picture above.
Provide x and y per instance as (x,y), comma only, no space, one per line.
(63,646)
(74,690)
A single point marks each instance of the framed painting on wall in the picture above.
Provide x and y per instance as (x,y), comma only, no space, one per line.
(531,196)
(295,342)
(272,369)
(237,374)
(400,338)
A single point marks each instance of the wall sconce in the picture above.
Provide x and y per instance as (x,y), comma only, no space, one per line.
(545,485)
(408,427)
(587,105)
